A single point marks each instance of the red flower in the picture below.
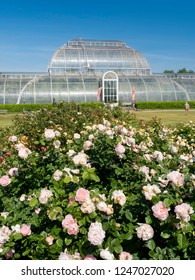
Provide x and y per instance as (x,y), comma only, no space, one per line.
(1,159)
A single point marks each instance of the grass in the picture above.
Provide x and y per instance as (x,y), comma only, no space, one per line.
(6,120)
(168,117)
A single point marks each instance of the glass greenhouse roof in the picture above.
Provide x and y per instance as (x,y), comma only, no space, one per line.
(93,56)
(97,43)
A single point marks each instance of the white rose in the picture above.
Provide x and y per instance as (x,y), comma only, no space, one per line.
(88,206)
(106,255)
(119,197)
(120,150)
(49,134)
(80,159)
(57,175)
(45,195)
(96,234)
(145,232)
(56,144)
(23,153)
(102,206)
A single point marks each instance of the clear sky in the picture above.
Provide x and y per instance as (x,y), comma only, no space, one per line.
(32,30)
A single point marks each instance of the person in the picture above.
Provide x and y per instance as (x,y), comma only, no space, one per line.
(54,101)
(133,105)
(187,107)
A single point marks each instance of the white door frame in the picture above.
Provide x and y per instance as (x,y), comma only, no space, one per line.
(110,87)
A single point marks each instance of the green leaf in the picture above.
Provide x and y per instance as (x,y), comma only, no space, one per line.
(151,244)
(167,202)
(165,235)
(94,177)
(192,217)
(53,215)
(114,183)
(92,215)
(115,242)
(83,230)
(182,241)
(75,179)
(85,175)
(67,179)
(59,242)
(68,241)
(127,236)
(128,215)
(58,209)
(118,249)
(148,220)
(17,236)
(17,256)
(33,202)
(188,228)
(105,226)
(155,199)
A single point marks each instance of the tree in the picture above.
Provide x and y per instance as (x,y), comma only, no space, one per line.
(168,72)
(184,70)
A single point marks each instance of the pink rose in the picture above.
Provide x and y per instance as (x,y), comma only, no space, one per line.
(5,181)
(125,256)
(49,240)
(176,178)
(81,195)
(9,254)
(25,230)
(67,221)
(13,138)
(73,229)
(182,212)
(90,258)
(70,224)
(71,200)
(120,150)
(160,211)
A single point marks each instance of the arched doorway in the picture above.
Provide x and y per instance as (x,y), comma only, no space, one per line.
(110,87)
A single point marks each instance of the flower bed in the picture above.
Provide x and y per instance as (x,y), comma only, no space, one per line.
(101,188)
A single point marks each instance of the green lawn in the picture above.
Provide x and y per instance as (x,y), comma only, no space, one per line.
(6,119)
(168,117)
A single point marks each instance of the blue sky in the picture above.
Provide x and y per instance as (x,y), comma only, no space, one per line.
(31,31)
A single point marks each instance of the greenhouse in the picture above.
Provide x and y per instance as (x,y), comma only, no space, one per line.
(95,71)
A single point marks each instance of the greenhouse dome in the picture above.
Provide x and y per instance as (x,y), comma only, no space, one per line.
(95,70)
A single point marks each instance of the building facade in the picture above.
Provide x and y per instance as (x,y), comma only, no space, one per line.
(95,70)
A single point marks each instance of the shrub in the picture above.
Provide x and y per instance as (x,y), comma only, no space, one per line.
(87,184)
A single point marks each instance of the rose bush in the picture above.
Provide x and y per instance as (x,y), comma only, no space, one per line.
(96,185)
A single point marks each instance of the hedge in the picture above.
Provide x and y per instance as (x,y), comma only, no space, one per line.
(17,108)
(164,105)
(140,105)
